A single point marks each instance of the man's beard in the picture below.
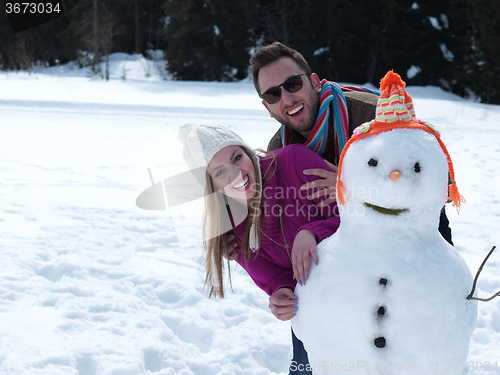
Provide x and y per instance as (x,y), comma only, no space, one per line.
(307,124)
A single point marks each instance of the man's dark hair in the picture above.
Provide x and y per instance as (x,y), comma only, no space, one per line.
(272,52)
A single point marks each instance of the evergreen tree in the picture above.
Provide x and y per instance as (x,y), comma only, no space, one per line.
(142,21)
(208,39)
(427,42)
(336,37)
(430,43)
(485,70)
(277,20)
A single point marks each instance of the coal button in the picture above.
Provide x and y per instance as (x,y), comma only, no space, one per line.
(379,342)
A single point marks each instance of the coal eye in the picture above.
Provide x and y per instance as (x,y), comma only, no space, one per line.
(372,162)
(417,167)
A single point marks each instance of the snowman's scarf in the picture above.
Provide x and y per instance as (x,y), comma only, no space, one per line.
(331,96)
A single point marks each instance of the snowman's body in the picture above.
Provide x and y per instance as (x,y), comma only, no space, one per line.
(389,293)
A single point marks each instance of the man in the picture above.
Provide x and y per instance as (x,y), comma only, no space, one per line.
(303,104)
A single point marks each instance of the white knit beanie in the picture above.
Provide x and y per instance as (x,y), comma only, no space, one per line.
(202,142)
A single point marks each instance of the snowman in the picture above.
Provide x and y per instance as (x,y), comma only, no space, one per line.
(389,293)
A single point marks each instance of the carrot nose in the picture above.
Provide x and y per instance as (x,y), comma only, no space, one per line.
(394,176)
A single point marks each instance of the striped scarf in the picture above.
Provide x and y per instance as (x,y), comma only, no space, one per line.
(331,96)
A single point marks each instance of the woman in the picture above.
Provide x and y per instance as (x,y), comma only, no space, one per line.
(258,200)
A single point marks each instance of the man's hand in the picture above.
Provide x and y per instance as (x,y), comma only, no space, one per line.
(283,304)
(303,246)
(327,185)
(229,251)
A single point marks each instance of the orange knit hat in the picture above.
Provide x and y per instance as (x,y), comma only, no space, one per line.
(395,111)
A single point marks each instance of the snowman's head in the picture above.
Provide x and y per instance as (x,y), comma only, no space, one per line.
(401,172)
(395,165)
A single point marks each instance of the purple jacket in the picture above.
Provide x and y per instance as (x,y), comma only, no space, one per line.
(272,268)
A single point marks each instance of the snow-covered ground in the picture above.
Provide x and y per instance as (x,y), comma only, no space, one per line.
(91,284)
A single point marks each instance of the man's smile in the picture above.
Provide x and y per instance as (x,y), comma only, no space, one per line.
(294,110)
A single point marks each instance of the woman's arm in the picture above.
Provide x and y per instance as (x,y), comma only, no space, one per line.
(322,225)
(267,275)
(304,246)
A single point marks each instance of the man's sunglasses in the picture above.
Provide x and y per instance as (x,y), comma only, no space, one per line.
(292,84)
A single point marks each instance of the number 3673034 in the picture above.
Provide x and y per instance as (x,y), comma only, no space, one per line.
(33,8)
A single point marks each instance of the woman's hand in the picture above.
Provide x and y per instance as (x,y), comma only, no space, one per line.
(327,184)
(283,304)
(229,251)
(304,245)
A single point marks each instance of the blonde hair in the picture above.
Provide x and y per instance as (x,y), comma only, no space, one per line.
(217,219)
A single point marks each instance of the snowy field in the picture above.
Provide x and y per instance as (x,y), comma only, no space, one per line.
(90,284)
